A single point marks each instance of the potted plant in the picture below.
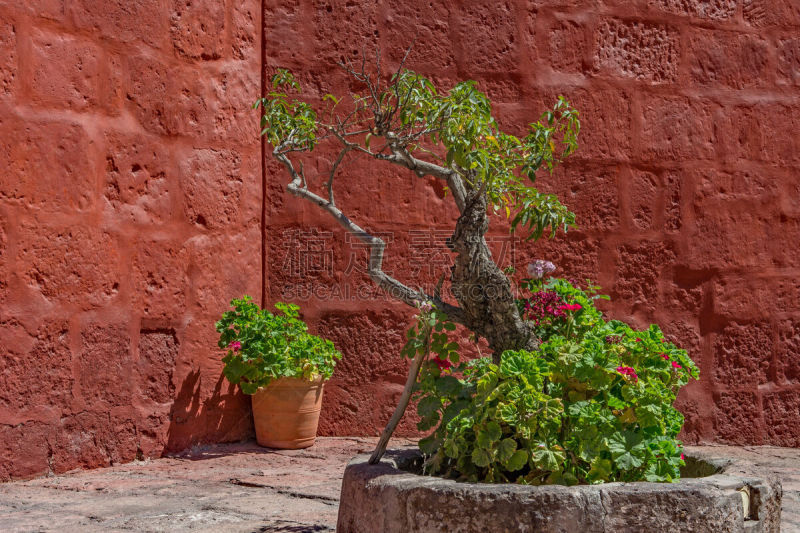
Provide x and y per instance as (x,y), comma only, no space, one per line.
(274,358)
(566,397)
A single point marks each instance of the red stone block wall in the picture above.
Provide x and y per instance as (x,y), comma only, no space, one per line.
(686,185)
(130,209)
(131,203)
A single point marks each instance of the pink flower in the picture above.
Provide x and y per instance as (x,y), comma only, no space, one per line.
(675,364)
(629,372)
(638,339)
(665,356)
(539,268)
(682,458)
(443,364)
(235,346)
(426,307)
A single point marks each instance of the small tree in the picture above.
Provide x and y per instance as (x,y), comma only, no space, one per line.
(452,136)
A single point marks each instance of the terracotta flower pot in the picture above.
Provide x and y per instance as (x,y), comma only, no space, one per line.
(286,413)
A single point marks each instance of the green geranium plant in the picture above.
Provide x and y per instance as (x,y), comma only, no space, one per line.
(566,396)
(262,346)
(592,404)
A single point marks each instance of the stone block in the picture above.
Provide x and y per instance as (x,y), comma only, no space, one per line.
(370,344)
(160,279)
(46,165)
(567,42)
(91,439)
(789,61)
(787,352)
(5,265)
(23,451)
(712,10)
(605,115)
(158,351)
(753,297)
(589,192)
(488,37)
(198,28)
(780,414)
(105,367)
(676,128)
(345,31)
(771,13)
(433,50)
(9,64)
(757,133)
(36,366)
(69,72)
(225,267)
(730,59)
(233,90)
(138,176)
(168,100)
(737,418)
(638,50)
(742,355)
(212,187)
(70,264)
(121,20)
(639,270)
(244,23)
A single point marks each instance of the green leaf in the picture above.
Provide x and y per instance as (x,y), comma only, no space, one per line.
(481,457)
(488,436)
(547,459)
(430,444)
(506,449)
(429,406)
(600,470)
(517,460)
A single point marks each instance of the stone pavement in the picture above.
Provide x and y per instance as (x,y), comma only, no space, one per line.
(244,488)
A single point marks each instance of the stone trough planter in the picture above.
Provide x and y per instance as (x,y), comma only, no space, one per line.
(390,497)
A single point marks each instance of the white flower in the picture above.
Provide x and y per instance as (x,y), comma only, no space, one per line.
(539,268)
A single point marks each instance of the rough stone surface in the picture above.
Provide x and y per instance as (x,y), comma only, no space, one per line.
(637,50)
(121,124)
(244,488)
(130,198)
(387,497)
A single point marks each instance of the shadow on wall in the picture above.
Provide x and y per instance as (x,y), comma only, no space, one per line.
(224,416)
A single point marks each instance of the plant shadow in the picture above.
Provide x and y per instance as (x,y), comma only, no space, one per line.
(225,416)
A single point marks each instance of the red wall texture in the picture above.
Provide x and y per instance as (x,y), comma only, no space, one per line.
(131,203)
(130,207)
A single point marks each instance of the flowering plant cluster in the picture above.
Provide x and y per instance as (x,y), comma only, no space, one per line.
(261,346)
(593,404)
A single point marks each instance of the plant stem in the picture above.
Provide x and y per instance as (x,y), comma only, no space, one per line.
(400,410)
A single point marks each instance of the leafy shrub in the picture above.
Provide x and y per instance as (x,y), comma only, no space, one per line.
(593,404)
(262,346)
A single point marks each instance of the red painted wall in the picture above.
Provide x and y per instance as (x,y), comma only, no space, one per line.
(130,207)
(130,203)
(686,185)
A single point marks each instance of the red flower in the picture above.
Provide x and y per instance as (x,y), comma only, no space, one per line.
(675,364)
(443,364)
(682,457)
(235,346)
(638,339)
(665,356)
(629,372)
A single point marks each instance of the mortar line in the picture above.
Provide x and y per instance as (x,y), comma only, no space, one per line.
(263,160)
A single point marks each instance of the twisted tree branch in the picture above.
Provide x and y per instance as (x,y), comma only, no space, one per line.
(393,287)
